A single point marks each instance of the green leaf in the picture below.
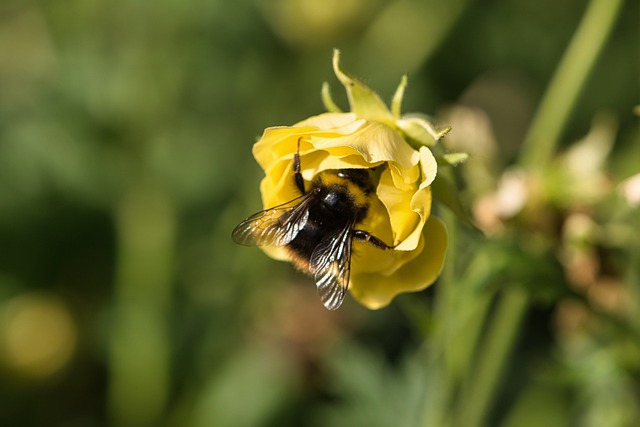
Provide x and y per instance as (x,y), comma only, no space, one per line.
(366,103)
(452,159)
(396,102)
(327,100)
(419,129)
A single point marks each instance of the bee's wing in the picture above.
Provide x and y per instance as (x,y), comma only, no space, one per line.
(276,226)
(331,264)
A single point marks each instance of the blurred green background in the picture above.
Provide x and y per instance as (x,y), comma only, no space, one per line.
(125,161)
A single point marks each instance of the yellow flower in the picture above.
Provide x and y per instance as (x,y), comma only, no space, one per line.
(370,137)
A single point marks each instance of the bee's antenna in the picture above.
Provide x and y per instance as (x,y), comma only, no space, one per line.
(296,170)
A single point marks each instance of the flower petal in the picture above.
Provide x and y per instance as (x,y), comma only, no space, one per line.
(370,259)
(340,134)
(336,122)
(376,143)
(282,141)
(375,291)
(405,223)
(276,143)
(429,167)
(421,201)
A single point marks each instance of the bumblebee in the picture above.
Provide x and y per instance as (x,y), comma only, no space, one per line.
(318,227)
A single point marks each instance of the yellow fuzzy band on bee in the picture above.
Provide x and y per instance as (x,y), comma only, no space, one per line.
(359,197)
(299,261)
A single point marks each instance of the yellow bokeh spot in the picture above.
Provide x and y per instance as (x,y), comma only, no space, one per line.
(38,335)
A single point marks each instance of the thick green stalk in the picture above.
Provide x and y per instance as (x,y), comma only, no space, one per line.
(502,333)
(434,410)
(567,82)
(139,351)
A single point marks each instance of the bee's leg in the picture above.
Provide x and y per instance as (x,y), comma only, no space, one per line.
(366,237)
(296,170)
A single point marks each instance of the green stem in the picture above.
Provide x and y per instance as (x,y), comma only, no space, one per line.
(139,351)
(478,393)
(567,82)
(434,410)
(633,274)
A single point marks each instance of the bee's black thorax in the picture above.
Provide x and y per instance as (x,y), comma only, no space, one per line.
(340,198)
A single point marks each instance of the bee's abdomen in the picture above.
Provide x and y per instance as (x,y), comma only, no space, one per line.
(306,241)
(322,223)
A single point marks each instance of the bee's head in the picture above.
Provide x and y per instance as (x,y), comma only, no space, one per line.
(336,197)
